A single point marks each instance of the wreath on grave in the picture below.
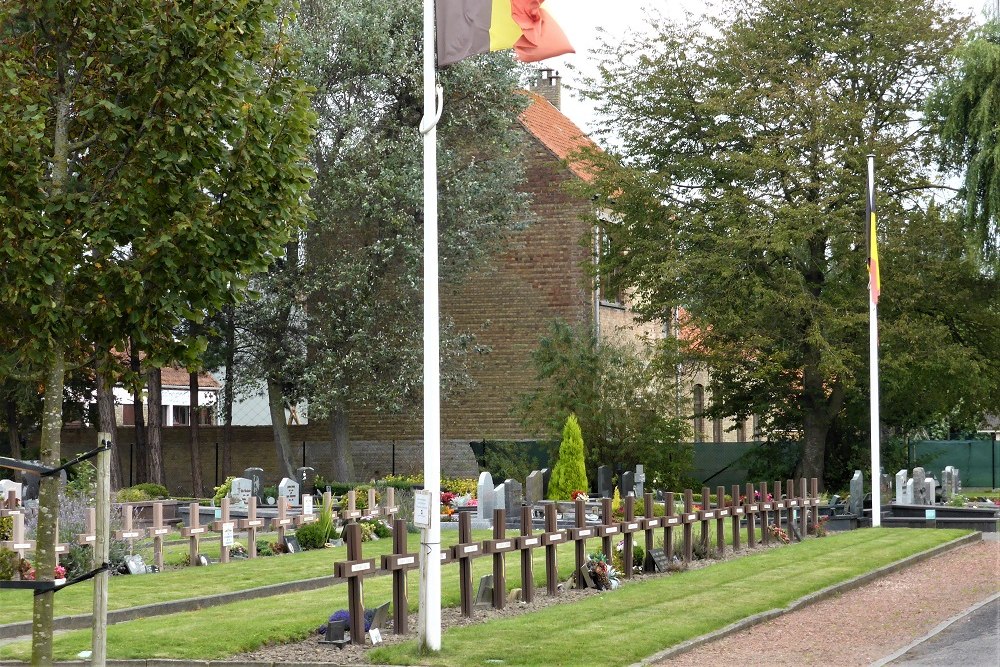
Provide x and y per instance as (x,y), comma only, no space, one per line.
(604,576)
(345,616)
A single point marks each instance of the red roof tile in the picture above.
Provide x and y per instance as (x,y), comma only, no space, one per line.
(179,377)
(557,132)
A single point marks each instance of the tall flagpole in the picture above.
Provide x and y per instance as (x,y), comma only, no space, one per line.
(430,540)
(870,226)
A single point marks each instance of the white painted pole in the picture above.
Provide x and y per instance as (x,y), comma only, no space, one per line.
(873,361)
(430,542)
(99,635)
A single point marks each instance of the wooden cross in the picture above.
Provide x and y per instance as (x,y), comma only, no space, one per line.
(721,512)
(128,532)
(779,504)
(398,563)
(354,569)
(689,518)
(60,547)
(526,543)
(736,510)
(352,512)
(9,504)
(17,543)
(464,552)
(814,501)
(192,532)
(498,546)
(373,510)
(579,536)
(705,514)
(669,521)
(765,508)
(282,521)
(551,539)
(89,534)
(251,524)
(390,508)
(308,515)
(158,530)
(649,524)
(609,529)
(220,526)
(751,506)
(629,527)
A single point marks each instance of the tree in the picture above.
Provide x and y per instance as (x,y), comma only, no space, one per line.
(739,194)
(153,155)
(348,297)
(965,112)
(619,398)
(569,474)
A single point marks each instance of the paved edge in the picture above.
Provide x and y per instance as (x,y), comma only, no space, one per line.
(943,625)
(807,600)
(668,653)
(83,621)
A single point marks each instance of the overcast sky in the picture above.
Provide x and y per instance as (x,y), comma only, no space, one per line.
(581,20)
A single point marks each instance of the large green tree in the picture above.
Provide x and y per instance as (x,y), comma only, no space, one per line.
(739,194)
(965,110)
(349,299)
(152,153)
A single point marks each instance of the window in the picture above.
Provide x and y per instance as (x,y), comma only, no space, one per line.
(182,415)
(741,431)
(608,283)
(716,430)
(206,417)
(756,427)
(128,415)
(699,413)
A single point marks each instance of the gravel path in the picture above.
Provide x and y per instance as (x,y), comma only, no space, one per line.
(867,623)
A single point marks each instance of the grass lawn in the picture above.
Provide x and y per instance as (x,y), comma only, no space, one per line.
(665,611)
(694,602)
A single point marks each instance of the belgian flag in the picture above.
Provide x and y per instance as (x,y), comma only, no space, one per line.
(470,27)
(874,280)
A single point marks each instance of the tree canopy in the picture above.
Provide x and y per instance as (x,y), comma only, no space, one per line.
(737,194)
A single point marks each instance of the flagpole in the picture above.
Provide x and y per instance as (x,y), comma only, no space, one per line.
(873,352)
(430,541)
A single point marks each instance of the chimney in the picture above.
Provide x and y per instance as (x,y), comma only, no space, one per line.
(547,84)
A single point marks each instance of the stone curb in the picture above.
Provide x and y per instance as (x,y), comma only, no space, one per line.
(940,627)
(83,621)
(807,600)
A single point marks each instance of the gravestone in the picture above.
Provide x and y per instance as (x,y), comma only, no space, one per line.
(256,477)
(6,486)
(484,595)
(901,497)
(920,487)
(533,488)
(484,497)
(640,480)
(857,494)
(289,490)
(604,486)
(306,477)
(500,497)
(626,483)
(885,487)
(946,484)
(911,494)
(29,491)
(513,497)
(930,485)
(546,476)
(241,492)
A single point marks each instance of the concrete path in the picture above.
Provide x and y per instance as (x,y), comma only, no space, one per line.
(970,639)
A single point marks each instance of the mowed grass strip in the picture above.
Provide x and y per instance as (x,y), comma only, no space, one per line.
(133,591)
(624,626)
(223,630)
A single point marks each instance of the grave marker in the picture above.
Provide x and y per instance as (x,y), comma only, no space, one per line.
(281,522)
(17,542)
(736,510)
(526,543)
(513,498)
(689,518)
(649,522)
(609,529)
(640,481)
(484,595)
(157,531)
(308,515)
(765,519)
(629,528)
(224,525)
(551,538)
(855,505)
(920,487)
(289,490)
(721,512)
(372,510)
(89,534)
(533,488)
(579,536)
(240,492)
(352,513)
(669,521)
(354,569)
(484,497)
(911,493)
(656,561)
(128,532)
(251,524)
(256,477)
(604,487)
(10,490)
(499,499)
(193,532)
(751,512)
(306,477)
(399,562)
(498,546)
(546,476)
(806,504)
(626,483)
(901,488)
(705,514)
(464,552)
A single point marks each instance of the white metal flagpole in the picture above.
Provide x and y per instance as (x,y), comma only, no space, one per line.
(870,226)
(430,541)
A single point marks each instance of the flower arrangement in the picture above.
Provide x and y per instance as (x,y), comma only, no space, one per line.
(604,576)
(345,616)
(778,533)
(238,551)
(819,529)
(579,495)
(447,498)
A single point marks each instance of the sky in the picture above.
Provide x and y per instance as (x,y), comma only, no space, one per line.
(581,20)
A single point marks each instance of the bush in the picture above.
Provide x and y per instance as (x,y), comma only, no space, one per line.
(153,490)
(311,536)
(638,555)
(9,561)
(264,548)
(223,490)
(569,472)
(131,495)
(6,528)
(463,487)
(379,528)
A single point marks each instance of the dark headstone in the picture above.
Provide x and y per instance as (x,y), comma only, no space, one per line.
(854,505)
(380,617)
(626,483)
(513,498)
(256,476)
(305,477)
(604,487)
(533,488)
(546,476)
(335,634)
(31,481)
(656,561)
(484,596)
(292,544)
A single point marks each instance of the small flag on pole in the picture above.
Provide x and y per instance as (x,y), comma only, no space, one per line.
(874,280)
(470,27)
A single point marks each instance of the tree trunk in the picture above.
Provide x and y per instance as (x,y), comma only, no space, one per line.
(343,457)
(109,424)
(196,482)
(813,459)
(227,395)
(154,440)
(282,442)
(140,465)
(48,507)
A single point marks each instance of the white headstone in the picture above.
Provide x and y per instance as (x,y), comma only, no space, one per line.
(484,497)
(640,480)
(289,489)
(499,498)
(239,494)
(908,497)
(6,486)
(930,484)
(901,488)
(307,504)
